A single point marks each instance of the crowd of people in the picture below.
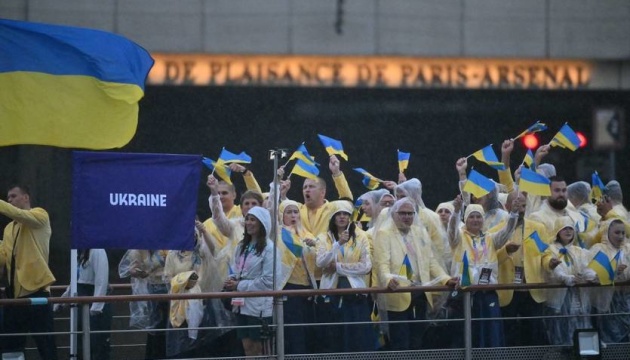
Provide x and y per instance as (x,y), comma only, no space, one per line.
(390,240)
(393,240)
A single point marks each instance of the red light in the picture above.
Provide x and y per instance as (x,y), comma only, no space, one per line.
(530,141)
(582,139)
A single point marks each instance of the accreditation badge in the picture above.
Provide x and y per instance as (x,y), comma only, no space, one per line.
(518,274)
(238,301)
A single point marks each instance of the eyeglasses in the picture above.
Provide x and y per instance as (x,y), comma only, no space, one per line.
(406,213)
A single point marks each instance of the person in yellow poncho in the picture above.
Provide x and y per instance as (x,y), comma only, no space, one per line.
(343,254)
(520,264)
(403,256)
(566,263)
(612,299)
(185,313)
(298,273)
(475,260)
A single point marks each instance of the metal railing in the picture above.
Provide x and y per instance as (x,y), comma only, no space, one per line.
(467,353)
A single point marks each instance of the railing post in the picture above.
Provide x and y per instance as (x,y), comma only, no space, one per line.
(467,327)
(85,323)
(280,327)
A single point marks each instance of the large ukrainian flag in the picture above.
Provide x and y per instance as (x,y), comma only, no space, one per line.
(68,87)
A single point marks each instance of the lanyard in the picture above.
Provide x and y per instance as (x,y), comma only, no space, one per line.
(244,257)
(484,253)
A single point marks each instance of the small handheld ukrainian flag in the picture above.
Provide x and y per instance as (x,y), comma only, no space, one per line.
(538,126)
(218,168)
(488,156)
(406,269)
(292,242)
(534,244)
(465,281)
(305,170)
(478,185)
(370,181)
(302,154)
(566,138)
(534,183)
(403,161)
(529,159)
(597,187)
(603,268)
(227,157)
(333,147)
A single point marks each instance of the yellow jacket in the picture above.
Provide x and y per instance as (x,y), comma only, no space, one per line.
(32,229)
(389,254)
(318,224)
(532,263)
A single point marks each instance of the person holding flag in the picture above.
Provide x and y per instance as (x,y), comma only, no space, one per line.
(229,231)
(316,210)
(555,205)
(520,264)
(566,263)
(606,300)
(579,194)
(483,266)
(403,256)
(412,189)
(297,251)
(226,195)
(494,213)
(343,254)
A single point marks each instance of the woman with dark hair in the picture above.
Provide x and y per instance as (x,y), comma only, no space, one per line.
(253,271)
(93,280)
(344,256)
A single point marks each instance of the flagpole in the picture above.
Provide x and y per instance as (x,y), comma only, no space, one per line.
(278,302)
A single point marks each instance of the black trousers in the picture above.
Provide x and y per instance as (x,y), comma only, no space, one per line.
(33,319)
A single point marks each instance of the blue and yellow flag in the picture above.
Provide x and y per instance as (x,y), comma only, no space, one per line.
(302,154)
(615,261)
(333,147)
(533,183)
(466,280)
(68,86)
(603,268)
(227,157)
(305,170)
(566,138)
(538,126)
(529,160)
(534,244)
(406,269)
(218,168)
(370,181)
(478,185)
(292,242)
(597,187)
(488,156)
(403,161)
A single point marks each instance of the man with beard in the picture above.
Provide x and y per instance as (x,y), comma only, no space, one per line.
(555,206)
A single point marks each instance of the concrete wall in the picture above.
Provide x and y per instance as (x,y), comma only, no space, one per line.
(585,29)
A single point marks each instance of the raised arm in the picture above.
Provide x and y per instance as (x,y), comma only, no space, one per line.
(248,176)
(341,184)
(453,225)
(218,215)
(505,176)
(503,235)
(461,165)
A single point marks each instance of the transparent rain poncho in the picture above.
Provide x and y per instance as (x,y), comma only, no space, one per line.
(571,304)
(612,299)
